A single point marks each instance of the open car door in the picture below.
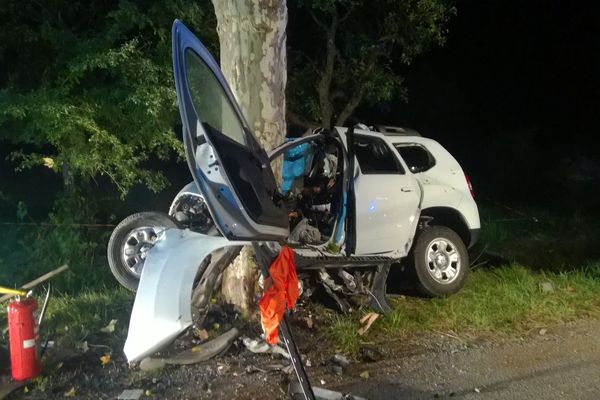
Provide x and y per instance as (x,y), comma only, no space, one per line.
(229,166)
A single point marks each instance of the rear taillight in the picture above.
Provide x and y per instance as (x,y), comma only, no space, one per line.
(470,185)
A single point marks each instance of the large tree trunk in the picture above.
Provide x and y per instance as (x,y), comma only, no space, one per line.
(253,58)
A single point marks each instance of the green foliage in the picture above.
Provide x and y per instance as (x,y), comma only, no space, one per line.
(366,43)
(27,252)
(87,87)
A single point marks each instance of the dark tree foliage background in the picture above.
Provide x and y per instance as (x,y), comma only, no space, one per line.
(514,94)
(87,90)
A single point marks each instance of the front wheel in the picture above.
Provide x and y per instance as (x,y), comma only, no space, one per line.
(441,261)
(130,242)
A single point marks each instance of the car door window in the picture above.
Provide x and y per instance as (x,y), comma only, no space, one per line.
(375,156)
(210,102)
(416,157)
(229,166)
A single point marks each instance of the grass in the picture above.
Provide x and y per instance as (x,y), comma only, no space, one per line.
(504,299)
(85,298)
(553,248)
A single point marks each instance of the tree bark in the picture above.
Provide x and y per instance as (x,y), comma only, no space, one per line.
(252,42)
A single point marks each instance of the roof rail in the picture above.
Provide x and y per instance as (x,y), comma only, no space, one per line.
(395,130)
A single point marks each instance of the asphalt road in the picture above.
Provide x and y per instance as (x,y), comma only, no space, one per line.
(558,363)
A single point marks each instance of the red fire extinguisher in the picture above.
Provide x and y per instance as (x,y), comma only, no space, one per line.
(24,339)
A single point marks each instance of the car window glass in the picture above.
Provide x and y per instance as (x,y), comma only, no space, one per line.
(212,106)
(375,156)
(416,157)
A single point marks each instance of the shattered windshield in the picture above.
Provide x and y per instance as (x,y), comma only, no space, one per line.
(212,105)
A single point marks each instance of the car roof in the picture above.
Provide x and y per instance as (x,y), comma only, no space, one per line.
(405,134)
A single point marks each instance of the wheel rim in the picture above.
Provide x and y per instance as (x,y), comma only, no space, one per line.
(135,248)
(443,260)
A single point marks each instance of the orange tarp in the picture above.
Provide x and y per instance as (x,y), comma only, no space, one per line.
(281,289)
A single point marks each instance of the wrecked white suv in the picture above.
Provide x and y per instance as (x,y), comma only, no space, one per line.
(355,202)
(406,196)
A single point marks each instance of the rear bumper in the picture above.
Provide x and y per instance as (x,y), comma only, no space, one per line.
(474,235)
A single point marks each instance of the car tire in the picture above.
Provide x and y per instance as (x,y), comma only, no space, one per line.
(130,241)
(440,260)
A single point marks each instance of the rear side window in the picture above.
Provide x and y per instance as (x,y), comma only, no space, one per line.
(375,156)
(416,157)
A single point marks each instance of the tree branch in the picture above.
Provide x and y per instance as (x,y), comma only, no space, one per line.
(299,120)
(354,100)
(317,20)
(325,82)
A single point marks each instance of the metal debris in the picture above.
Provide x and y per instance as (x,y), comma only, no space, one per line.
(194,355)
(259,346)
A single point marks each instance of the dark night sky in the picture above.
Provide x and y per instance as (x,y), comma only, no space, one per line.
(517,84)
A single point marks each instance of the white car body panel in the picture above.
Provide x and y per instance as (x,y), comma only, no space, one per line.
(387,208)
(387,212)
(162,306)
(444,185)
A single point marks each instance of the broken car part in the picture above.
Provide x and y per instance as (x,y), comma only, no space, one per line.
(196,354)
(259,346)
(162,306)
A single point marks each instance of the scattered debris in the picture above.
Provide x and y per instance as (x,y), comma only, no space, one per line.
(365,375)
(546,287)
(110,328)
(132,394)
(151,364)
(367,321)
(309,322)
(194,355)
(477,390)
(223,368)
(82,346)
(370,354)
(70,393)
(259,346)
(286,369)
(340,360)
(337,369)
(201,334)
(543,331)
(105,359)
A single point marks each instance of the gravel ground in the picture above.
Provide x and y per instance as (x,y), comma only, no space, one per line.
(558,363)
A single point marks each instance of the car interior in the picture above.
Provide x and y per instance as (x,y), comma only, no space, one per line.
(312,191)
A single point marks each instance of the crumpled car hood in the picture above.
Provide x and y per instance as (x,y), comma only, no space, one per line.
(162,307)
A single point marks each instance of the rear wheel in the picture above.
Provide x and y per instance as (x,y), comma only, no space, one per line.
(130,242)
(441,261)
